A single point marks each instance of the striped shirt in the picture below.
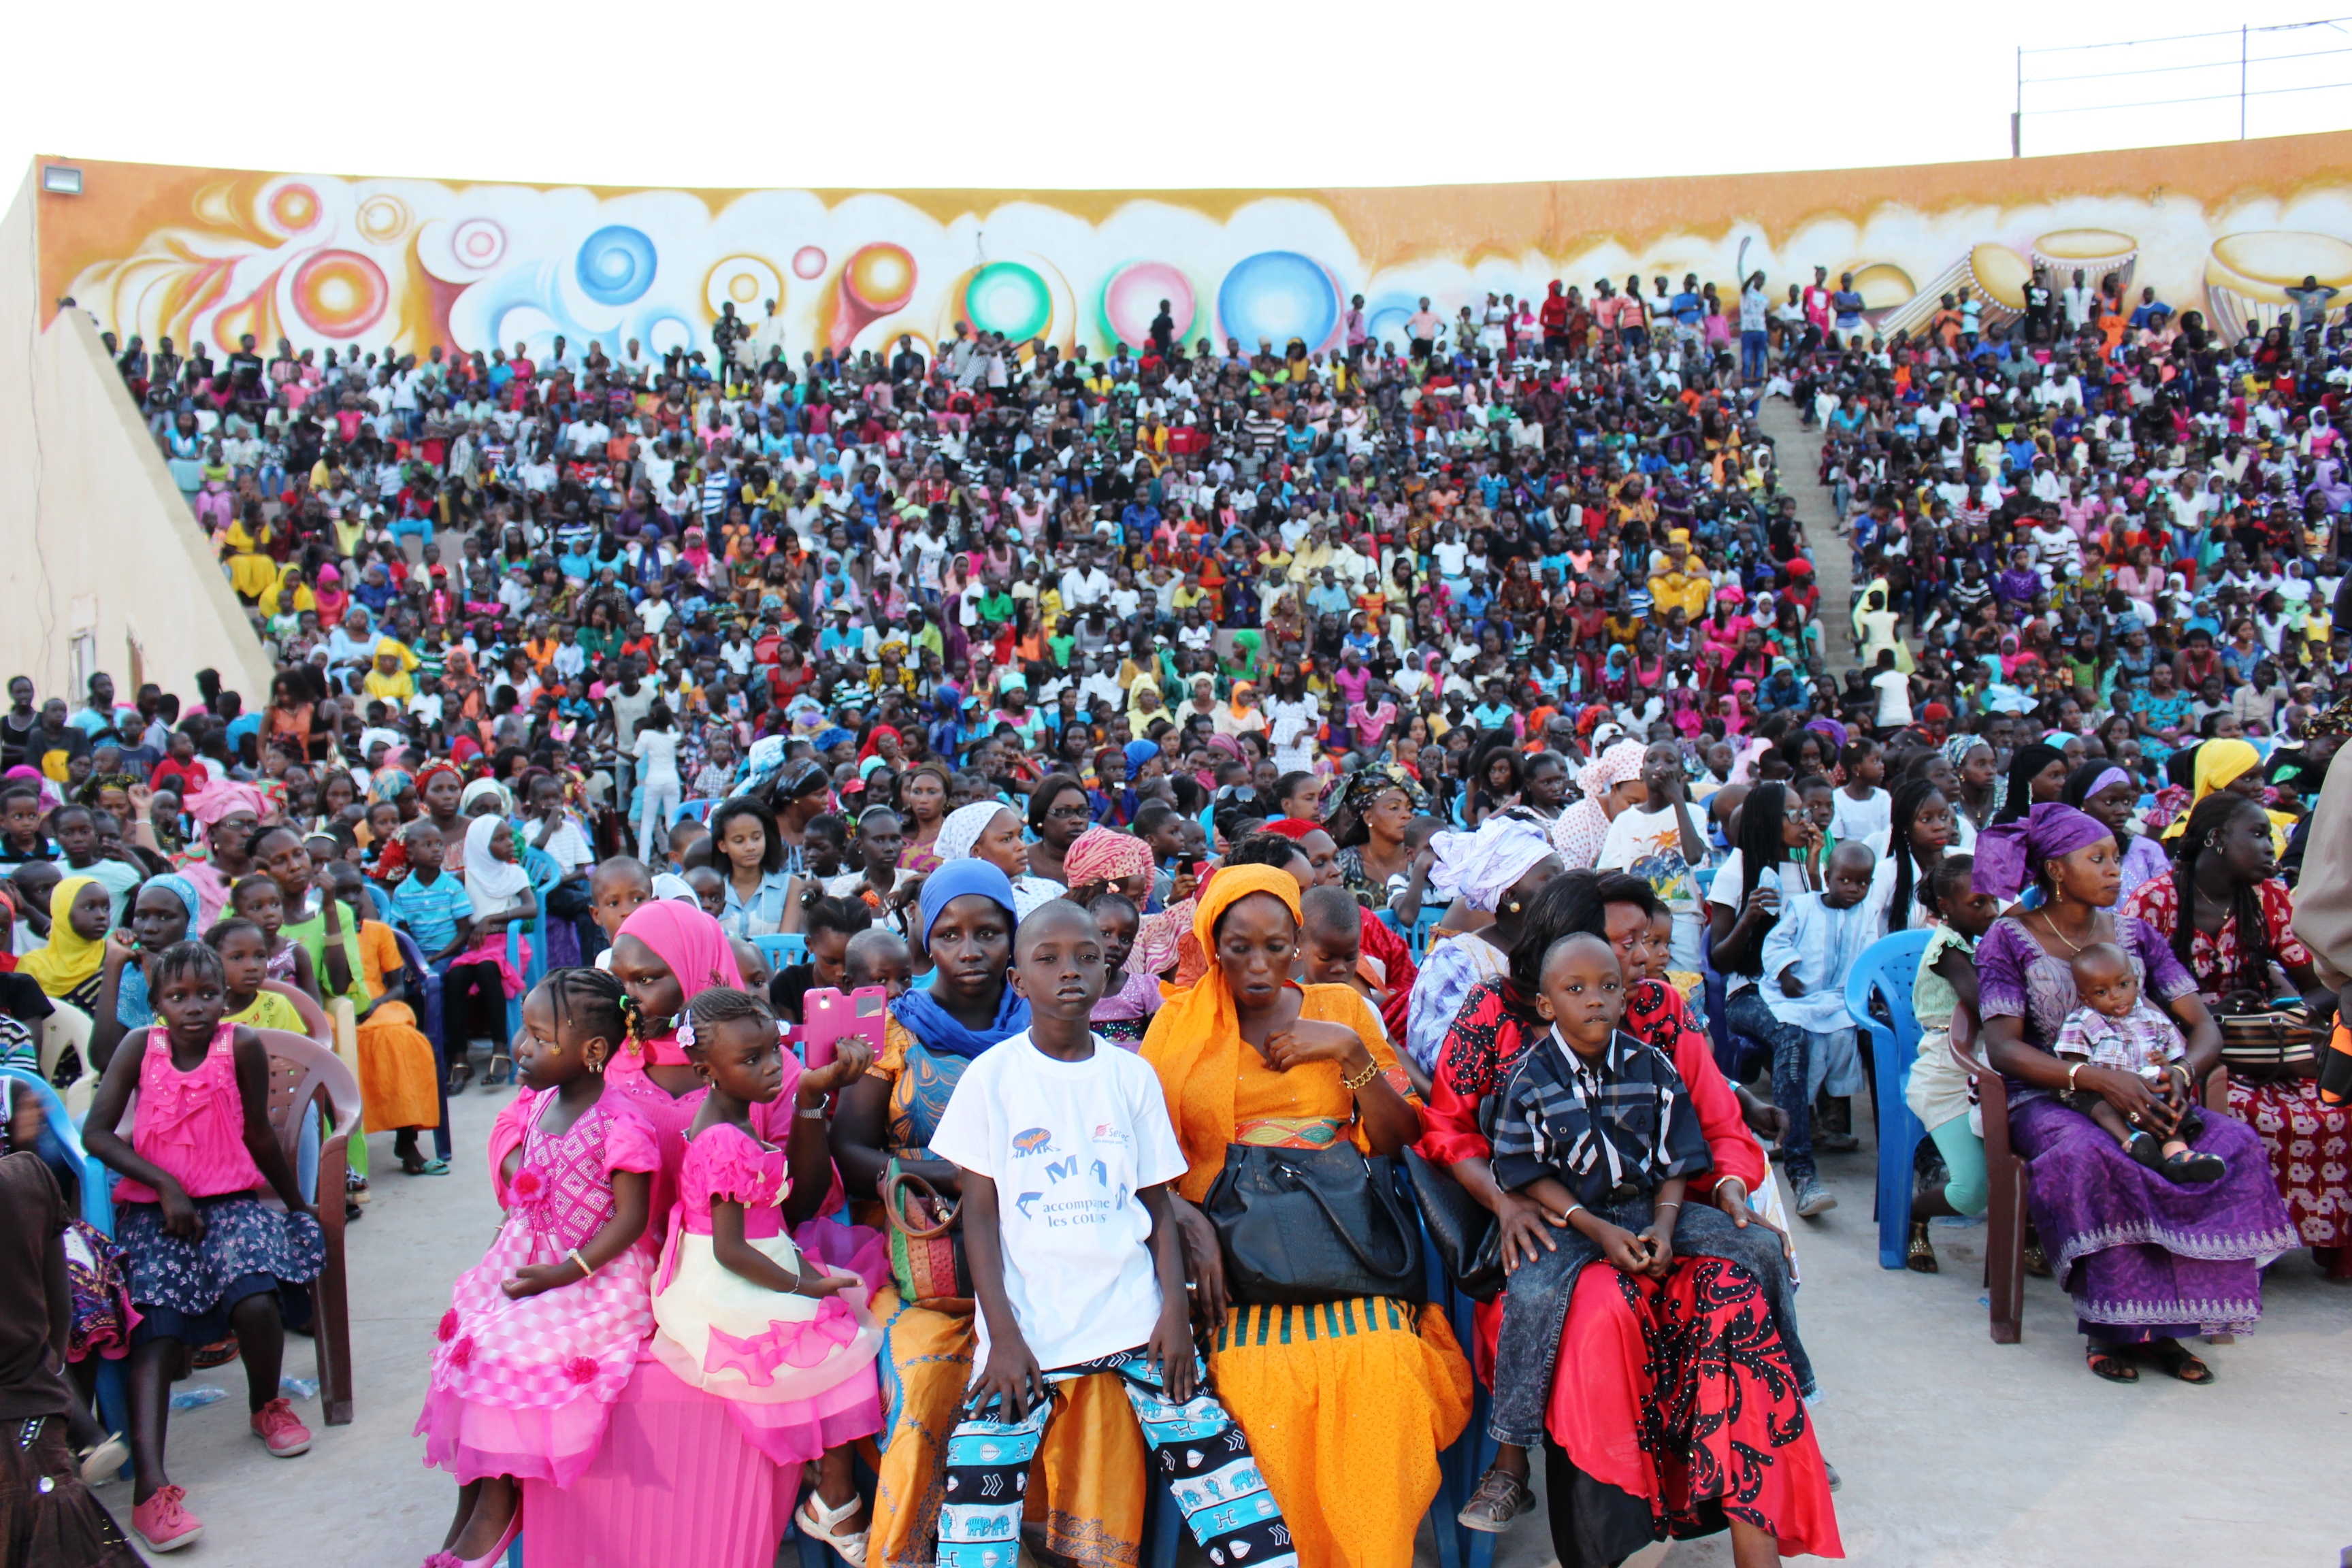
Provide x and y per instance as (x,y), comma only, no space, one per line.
(1611,1128)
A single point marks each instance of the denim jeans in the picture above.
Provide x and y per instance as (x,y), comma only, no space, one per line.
(1534,1307)
(1751,356)
(1791,1074)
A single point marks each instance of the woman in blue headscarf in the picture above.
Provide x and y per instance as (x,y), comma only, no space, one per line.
(162,911)
(884,1124)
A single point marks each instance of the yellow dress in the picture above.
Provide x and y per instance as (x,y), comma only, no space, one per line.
(1086,1488)
(398,1074)
(1346,1405)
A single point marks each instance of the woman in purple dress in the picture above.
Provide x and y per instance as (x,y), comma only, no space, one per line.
(2147,1260)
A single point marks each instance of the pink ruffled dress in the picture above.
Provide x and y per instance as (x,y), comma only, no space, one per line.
(797,1370)
(525,1388)
(678,1481)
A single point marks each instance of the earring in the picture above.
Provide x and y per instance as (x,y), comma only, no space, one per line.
(1512,908)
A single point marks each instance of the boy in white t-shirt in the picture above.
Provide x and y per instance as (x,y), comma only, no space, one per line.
(1862,808)
(1066,1153)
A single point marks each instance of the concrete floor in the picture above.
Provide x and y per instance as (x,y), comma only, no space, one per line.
(1954,1451)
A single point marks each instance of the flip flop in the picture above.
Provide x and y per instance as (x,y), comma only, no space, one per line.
(2104,1363)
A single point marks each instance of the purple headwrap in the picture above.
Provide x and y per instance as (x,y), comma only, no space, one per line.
(2007,855)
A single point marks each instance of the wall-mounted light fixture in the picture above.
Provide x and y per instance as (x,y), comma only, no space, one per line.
(60,180)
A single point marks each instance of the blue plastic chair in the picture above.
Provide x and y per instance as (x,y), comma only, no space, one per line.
(697,809)
(426,988)
(97,1185)
(782,949)
(1886,969)
(545,877)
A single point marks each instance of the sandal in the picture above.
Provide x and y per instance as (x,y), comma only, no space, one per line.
(460,1075)
(2194,1165)
(2172,1358)
(1500,1499)
(2104,1363)
(2037,1261)
(2144,1148)
(819,1520)
(1921,1257)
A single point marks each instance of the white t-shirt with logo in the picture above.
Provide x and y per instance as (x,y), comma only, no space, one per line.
(1068,1145)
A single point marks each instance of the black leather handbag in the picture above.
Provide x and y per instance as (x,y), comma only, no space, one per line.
(1462,1230)
(1303,1226)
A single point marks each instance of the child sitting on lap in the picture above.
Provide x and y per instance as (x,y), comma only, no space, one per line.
(1066,1153)
(2118,1027)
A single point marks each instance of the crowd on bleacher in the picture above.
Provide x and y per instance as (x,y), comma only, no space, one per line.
(1156,780)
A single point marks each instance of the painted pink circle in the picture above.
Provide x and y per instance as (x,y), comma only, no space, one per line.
(478,242)
(340,293)
(808,261)
(1132,299)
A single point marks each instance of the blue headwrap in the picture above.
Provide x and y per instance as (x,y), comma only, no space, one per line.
(1140,753)
(923,1017)
(132,1008)
(180,887)
(827,739)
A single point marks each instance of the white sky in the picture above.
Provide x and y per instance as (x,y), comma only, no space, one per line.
(1077,93)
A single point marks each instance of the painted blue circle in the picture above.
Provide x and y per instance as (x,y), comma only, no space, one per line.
(615,265)
(1279,295)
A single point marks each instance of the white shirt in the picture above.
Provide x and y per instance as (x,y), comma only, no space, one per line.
(658,749)
(1068,1145)
(1851,818)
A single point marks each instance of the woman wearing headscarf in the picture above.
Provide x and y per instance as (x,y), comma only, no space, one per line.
(1497,869)
(1377,939)
(2147,1260)
(1611,781)
(479,980)
(1368,822)
(227,813)
(2109,794)
(1241,712)
(1249,1057)
(989,830)
(1091,1505)
(2235,766)
(2037,776)
(676,1480)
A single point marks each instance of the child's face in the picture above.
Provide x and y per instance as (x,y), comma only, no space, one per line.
(193,1003)
(22,818)
(77,836)
(1972,913)
(243,958)
(710,888)
(1848,878)
(887,965)
(1059,967)
(263,904)
(2104,985)
(1870,769)
(1329,957)
(1583,994)
(90,912)
(1118,924)
(1821,805)
(426,848)
(1661,945)
(743,1059)
(616,896)
(543,1059)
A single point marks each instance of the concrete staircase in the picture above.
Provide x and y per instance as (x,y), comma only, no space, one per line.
(1799,454)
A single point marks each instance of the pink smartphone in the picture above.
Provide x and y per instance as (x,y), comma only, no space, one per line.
(833,1017)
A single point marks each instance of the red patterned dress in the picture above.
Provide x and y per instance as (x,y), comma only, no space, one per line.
(2310,1143)
(1681,1408)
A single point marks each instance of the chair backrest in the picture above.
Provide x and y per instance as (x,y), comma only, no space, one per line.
(300,1072)
(1965,1051)
(381,896)
(783,948)
(314,1018)
(412,959)
(66,1025)
(96,1182)
(1887,967)
(697,809)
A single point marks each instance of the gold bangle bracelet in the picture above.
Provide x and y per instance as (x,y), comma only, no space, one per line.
(585,1270)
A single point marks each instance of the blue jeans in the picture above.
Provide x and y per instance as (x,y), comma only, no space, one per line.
(1751,356)
(1202,1451)
(401,528)
(1792,1073)
(1535,1307)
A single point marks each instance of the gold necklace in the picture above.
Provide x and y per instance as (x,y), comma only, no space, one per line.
(2050,919)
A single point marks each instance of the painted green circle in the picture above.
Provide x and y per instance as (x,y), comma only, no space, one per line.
(1006,297)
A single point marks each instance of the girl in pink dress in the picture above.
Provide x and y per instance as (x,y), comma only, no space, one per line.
(744,1313)
(206,1258)
(542,1335)
(637,1502)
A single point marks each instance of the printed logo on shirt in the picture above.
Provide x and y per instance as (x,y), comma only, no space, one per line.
(1036,1141)
(1107,1133)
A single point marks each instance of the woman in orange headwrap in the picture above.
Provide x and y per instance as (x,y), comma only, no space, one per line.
(1334,1393)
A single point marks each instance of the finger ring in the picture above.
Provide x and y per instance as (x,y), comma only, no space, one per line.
(2134,1119)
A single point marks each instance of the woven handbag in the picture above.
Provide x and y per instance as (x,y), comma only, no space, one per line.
(926,1259)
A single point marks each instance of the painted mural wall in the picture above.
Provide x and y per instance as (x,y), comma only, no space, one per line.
(332,262)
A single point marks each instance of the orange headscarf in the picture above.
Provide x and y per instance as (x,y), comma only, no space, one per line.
(1195,1041)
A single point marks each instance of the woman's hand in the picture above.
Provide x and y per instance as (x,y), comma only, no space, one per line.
(1012,1379)
(854,1056)
(1763,904)
(1523,1225)
(1316,1040)
(2129,1094)
(1204,1261)
(1182,887)
(141,799)
(120,945)
(1731,1198)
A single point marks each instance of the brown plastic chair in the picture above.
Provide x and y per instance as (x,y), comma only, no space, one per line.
(306,1078)
(315,1022)
(2006,1172)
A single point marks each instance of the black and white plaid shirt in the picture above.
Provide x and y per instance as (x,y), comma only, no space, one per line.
(1612,1129)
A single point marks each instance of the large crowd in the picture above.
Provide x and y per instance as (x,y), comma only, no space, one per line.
(1219,791)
